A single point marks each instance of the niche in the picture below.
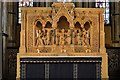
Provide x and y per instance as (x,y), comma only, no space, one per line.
(63,23)
(38,25)
(78,26)
(87,26)
(48,25)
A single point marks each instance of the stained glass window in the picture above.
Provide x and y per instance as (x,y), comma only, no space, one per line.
(24,3)
(104,4)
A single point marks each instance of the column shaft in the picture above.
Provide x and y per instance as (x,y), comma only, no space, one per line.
(1,51)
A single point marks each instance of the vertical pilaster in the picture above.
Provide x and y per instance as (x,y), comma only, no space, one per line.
(102,48)
(102,33)
(22,33)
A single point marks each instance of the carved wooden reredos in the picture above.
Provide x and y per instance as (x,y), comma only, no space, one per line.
(62,28)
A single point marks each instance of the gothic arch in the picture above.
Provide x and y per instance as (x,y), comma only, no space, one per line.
(63,12)
(80,22)
(48,24)
(38,24)
(38,19)
(78,25)
(63,23)
(87,25)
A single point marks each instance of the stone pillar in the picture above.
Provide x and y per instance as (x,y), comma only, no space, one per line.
(4,26)
(117,27)
(115,24)
(113,20)
(119,24)
(1,49)
(11,23)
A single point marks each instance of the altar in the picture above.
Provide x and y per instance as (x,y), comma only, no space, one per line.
(62,42)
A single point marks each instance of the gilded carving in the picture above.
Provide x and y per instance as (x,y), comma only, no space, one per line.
(39,38)
(63,30)
(48,33)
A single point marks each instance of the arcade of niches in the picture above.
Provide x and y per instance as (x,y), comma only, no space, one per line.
(63,30)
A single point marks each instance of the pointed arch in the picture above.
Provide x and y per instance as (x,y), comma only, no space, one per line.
(63,23)
(87,26)
(63,11)
(48,25)
(38,25)
(78,25)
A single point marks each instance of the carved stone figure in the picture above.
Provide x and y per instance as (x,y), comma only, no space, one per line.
(51,37)
(62,38)
(44,37)
(48,35)
(57,37)
(74,41)
(68,37)
(39,38)
(79,39)
(85,38)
